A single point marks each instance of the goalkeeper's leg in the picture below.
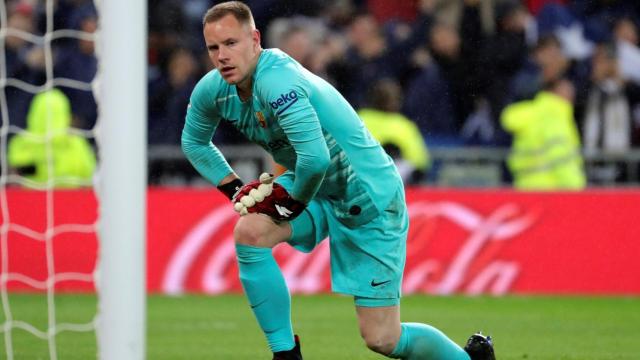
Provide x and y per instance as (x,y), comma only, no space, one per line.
(382,331)
(368,261)
(262,279)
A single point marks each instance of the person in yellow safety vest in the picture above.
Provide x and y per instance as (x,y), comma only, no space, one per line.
(72,158)
(545,153)
(399,136)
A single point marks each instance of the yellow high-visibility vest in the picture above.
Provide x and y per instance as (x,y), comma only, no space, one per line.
(546,149)
(47,142)
(396,129)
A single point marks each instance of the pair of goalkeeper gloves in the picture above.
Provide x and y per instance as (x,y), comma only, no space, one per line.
(263,196)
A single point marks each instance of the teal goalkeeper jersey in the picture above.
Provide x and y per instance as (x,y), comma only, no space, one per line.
(305,124)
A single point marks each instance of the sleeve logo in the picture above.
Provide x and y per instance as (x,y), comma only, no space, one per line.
(283,102)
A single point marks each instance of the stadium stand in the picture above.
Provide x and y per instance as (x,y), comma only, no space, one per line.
(460,63)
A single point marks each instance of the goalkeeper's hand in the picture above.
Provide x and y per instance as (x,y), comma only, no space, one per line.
(266,197)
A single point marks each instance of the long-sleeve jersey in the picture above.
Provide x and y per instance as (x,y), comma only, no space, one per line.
(306,125)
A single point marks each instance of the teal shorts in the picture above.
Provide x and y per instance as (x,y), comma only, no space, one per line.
(367,261)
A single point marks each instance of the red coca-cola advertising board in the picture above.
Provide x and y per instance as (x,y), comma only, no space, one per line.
(471,242)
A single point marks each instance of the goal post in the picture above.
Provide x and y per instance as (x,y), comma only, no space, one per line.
(122,184)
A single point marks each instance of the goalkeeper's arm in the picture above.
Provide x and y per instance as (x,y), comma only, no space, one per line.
(301,125)
(200,125)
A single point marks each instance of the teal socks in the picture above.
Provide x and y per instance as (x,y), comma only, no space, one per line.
(424,342)
(268,295)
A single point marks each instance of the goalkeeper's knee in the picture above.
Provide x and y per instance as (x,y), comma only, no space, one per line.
(260,231)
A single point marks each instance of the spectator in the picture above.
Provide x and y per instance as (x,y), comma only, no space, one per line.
(503,54)
(566,26)
(598,16)
(169,97)
(451,12)
(610,124)
(545,154)
(398,135)
(77,61)
(430,96)
(48,139)
(169,27)
(24,62)
(625,34)
(372,55)
(551,64)
(366,60)
(308,41)
(63,16)
(445,93)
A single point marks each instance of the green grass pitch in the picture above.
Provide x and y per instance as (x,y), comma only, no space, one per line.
(222,327)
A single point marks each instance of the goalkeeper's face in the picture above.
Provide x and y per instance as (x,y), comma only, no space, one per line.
(233,48)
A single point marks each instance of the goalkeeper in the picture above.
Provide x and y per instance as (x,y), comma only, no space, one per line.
(340,184)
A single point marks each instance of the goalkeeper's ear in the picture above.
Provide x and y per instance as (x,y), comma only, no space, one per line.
(231,188)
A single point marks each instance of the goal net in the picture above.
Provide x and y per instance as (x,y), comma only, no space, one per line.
(54,63)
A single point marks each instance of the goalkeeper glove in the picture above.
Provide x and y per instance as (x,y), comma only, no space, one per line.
(266,197)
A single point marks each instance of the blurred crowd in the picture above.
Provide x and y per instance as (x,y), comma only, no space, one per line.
(449,70)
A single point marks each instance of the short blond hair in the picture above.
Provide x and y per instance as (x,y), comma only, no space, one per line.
(238,9)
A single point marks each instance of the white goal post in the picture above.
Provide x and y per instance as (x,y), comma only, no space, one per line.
(122,99)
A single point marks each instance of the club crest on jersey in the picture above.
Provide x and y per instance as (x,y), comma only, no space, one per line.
(283,102)
(261,120)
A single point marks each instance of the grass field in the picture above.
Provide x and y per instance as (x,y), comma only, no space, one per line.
(222,327)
